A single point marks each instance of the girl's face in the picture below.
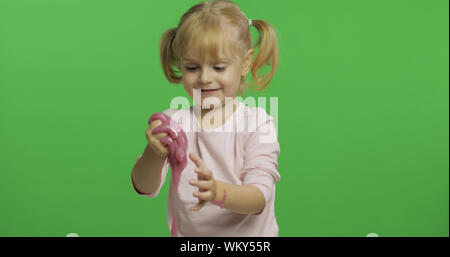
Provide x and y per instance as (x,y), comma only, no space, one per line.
(215,78)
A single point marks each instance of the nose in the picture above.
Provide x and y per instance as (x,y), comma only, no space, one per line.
(205,76)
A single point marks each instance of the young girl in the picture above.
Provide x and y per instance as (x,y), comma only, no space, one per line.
(227,187)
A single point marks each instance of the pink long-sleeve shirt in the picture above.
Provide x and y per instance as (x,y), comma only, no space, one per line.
(243,151)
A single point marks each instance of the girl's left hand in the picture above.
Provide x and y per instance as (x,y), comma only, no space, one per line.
(206,183)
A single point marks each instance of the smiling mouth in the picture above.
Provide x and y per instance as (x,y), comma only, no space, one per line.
(209,90)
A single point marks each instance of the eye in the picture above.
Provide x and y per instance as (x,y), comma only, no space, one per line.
(220,68)
(191,68)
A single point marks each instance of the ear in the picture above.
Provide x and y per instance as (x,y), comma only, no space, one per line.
(247,62)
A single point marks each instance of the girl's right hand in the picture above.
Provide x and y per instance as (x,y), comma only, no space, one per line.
(154,141)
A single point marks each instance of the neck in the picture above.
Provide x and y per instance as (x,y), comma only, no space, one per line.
(232,105)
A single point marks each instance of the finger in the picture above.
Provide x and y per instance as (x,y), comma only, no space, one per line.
(205,173)
(204,196)
(152,126)
(159,146)
(160,135)
(196,160)
(163,149)
(201,184)
(155,124)
(198,206)
(163,141)
(199,176)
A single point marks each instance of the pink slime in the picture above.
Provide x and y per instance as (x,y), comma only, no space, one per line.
(176,140)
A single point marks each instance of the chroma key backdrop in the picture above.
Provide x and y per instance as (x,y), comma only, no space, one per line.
(362,115)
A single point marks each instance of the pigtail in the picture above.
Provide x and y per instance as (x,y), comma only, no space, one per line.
(267,55)
(168,57)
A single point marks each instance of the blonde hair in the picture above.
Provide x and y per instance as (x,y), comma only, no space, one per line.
(204,29)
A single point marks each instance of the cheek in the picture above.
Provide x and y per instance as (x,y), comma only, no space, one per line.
(188,85)
(232,87)
(188,90)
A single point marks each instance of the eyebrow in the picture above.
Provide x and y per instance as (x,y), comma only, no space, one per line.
(220,60)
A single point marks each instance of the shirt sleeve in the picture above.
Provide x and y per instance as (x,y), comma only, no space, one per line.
(261,160)
(163,179)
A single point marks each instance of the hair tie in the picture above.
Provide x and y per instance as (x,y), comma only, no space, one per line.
(249,20)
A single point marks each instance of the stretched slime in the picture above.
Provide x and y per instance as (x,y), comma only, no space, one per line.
(176,141)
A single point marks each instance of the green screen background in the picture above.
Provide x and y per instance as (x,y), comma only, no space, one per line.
(362,91)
